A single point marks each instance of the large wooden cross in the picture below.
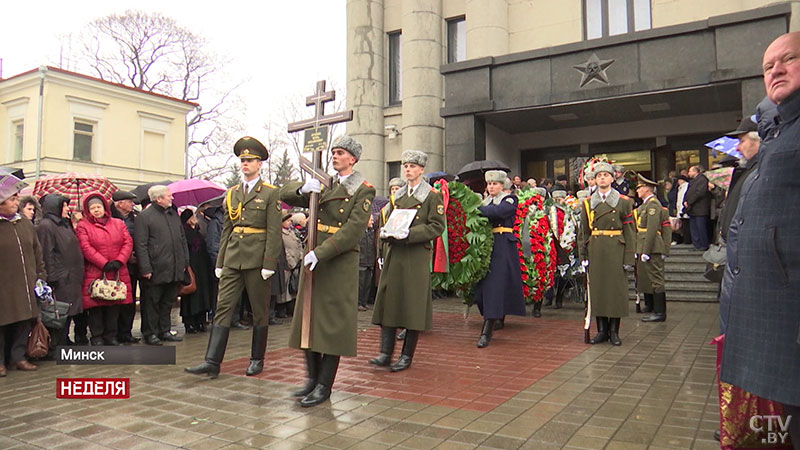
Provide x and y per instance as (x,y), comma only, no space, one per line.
(314,168)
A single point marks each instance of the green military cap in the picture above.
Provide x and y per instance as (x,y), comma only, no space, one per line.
(250,148)
(643,181)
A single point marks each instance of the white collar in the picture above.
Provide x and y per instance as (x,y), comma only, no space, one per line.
(251,184)
(343,177)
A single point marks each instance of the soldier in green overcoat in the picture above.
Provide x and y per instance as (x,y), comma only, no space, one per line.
(343,213)
(653,237)
(609,237)
(404,290)
(248,256)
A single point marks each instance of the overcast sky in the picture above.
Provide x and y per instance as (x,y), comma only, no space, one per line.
(278,47)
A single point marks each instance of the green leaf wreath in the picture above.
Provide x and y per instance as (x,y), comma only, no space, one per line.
(469,242)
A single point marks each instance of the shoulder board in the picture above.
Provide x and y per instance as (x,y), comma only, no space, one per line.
(268,185)
(624,196)
(366,183)
(436,190)
(235,188)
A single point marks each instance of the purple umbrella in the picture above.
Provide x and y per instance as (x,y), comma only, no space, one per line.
(194,192)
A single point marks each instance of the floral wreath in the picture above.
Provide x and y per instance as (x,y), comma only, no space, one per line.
(469,243)
(588,167)
(538,271)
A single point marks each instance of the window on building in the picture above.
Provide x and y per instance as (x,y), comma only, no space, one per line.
(19,129)
(456,40)
(395,68)
(612,17)
(82,143)
(393,169)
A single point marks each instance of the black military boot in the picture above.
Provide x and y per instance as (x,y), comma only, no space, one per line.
(387,347)
(217,342)
(548,298)
(257,350)
(313,361)
(537,309)
(602,330)
(659,308)
(559,295)
(327,373)
(500,324)
(401,335)
(613,331)
(648,303)
(409,347)
(486,333)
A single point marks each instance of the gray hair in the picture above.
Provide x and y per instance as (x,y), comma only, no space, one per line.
(753,136)
(156,191)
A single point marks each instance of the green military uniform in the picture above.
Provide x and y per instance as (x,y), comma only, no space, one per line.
(652,238)
(250,241)
(344,211)
(610,241)
(404,290)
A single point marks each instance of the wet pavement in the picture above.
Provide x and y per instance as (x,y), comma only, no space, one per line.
(536,386)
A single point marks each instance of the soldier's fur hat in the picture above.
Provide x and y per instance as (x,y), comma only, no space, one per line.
(497,176)
(582,194)
(417,157)
(602,166)
(559,193)
(396,182)
(540,191)
(346,142)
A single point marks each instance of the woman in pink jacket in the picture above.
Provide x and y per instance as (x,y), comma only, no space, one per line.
(106,246)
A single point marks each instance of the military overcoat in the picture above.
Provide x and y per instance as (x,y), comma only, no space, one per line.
(609,239)
(653,238)
(404,290)
(345,210)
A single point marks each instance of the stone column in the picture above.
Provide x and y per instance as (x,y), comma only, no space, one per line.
(365,86)
(487,28)
(422,50)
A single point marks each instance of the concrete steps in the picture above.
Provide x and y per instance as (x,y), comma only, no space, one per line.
(683,273)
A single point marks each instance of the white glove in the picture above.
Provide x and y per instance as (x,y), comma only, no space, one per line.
(402,235)
(664,257)
(585,263)
(627,267)
(310,258)
(380,263)
(312,185)
(635,256)
(218,272)
(266,273)
(645,257)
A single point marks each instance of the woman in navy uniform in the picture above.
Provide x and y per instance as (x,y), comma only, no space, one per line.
(500,292)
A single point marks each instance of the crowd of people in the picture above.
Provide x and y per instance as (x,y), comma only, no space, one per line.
(252,255)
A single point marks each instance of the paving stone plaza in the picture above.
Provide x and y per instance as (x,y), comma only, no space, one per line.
(536,386)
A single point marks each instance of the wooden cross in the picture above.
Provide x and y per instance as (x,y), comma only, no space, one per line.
(314,168)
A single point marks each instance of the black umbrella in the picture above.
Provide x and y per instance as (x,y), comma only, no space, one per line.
(476,169)
(141,191)
(435,176)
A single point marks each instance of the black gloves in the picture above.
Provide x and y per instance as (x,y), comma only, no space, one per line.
(112,266)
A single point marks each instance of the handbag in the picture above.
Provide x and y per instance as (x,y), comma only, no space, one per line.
(108,290)
(38,341)
(191,286)
(294,281)
(54,315)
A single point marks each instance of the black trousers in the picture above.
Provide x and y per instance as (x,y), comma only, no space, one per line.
(103,322)
(156,304)
(364,284)
(14,341)
(126,315)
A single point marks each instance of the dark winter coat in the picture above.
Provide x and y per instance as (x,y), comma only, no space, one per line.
(762,343)
(20,269)
(216,219)
(200,300)
(740,175)
(698,197)
(499,293)
(62,255)
(102,241)
(161,244)
(130,224)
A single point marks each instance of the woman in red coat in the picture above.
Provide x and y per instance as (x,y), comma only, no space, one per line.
(106,246)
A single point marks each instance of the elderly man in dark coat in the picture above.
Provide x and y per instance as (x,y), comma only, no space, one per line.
(499,293)
(21,260)
(698,205)
(163,256)
(63,259)
(762,344)
(404,290)
(343,213)
(122,208)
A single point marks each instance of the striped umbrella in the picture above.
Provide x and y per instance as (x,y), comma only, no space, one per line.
(73,186)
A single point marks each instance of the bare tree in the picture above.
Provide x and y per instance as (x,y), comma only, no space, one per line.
(154,53)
